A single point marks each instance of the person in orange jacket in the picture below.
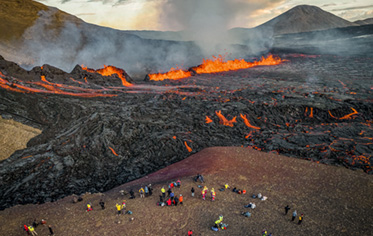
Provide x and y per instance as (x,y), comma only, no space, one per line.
(181,199)
(213,194)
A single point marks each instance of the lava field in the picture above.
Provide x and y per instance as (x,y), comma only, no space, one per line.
(102,129)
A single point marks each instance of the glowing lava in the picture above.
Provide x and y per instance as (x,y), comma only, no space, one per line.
(217,64)
(173,74)
(110,70)
(346,116)
(247,123)
(225,121)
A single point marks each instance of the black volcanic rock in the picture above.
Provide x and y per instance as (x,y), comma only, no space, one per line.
(303,108)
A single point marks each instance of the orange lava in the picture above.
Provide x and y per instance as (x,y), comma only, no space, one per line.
(208,120)
(113,151)
(225,121)
(187,147)
(218,64)
(173,74)
(247,123)
(110,70)
(346,116)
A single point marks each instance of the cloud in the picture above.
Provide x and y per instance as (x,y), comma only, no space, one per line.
(353,8)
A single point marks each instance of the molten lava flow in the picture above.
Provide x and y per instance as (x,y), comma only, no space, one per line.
(346,116)
(110,70)
(218,64)
(187,147)
(208,120)
(247,123)
(173,74)
(113,151)
(224,120)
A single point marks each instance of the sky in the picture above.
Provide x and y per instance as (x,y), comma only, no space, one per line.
(177,15)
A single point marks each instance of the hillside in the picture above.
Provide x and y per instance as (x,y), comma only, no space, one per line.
(368,21)
(18,16)
(334,200)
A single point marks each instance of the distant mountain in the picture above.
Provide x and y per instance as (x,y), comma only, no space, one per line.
(304,18)
(368,21)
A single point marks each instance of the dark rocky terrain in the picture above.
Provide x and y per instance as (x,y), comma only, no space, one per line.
(334,200)
(98,134)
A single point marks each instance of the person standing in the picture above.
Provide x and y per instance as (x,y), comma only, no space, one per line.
(172,195)
(287,208)
(213,194)
(146,191)
(178,183)
(141,191)
(181,199)
(50,230)
(132,193)
(119,208)
(192,190)
(163,192)
(32,230)
(150,189)
(123,206)
(294,215)
(89,207)
(176,200)
(102,204)
(300,219)
(169,192)
(26,229)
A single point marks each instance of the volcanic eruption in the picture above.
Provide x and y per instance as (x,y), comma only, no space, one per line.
(101,128)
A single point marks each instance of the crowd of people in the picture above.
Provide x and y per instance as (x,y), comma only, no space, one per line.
(172,199)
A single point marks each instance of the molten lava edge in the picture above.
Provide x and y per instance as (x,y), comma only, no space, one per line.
(217,64)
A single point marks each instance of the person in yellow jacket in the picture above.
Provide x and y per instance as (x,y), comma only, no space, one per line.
(119,208)
(218,222)
(32,230)
(89,207)
(213,194)
(163,190)
(141,191)
(226,186)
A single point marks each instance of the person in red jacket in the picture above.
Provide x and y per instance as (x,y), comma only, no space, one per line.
(26,229)
(169,202)
(190,233)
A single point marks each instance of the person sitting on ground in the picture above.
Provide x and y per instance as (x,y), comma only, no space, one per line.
(226,186)
(250,205)
(259,195)
(247,214)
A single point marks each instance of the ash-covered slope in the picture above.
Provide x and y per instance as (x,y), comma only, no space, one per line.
(98,134)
